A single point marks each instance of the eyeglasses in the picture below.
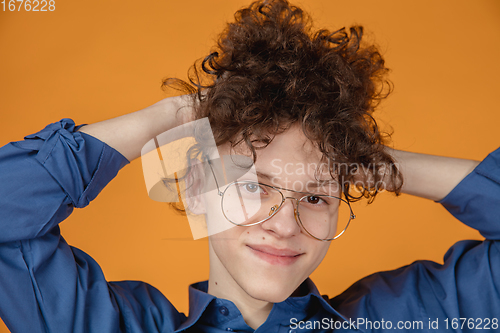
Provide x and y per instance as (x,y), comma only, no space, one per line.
(247,203)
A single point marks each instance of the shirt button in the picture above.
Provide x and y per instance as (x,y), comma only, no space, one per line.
(229,329)
(224,311)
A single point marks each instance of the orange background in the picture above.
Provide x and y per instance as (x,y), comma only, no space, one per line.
(92,60)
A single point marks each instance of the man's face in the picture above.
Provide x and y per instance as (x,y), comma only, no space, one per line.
(268,261)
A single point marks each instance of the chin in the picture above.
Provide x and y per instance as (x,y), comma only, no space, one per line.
(269,296)
(271,291)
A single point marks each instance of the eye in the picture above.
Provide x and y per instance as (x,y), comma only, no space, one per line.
(314,200)
(252,188)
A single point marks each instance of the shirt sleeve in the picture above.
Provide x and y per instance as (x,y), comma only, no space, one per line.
(432,295)
(45,284)
(48,174)
(476,199)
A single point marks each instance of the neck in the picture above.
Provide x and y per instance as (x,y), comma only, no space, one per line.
(254,311)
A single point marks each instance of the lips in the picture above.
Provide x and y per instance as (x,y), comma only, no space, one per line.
(274,256)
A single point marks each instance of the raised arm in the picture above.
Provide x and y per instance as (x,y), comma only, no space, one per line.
(49,173)
(468,189)
(130,132)
(430,176)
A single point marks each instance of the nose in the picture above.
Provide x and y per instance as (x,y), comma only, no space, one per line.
(284,223)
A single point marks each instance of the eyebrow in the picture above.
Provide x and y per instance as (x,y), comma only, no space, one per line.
(312,183)
(263,175)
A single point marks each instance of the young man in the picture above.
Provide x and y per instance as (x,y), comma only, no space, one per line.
(290,110)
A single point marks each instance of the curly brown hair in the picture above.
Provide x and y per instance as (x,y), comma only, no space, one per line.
(271,70)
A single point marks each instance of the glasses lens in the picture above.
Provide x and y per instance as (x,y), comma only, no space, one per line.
(324,217)
(246,203)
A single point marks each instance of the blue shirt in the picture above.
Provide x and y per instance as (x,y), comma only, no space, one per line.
(48,286)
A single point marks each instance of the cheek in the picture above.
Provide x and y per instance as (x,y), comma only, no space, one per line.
(317,253)
(225,243)
(215,219)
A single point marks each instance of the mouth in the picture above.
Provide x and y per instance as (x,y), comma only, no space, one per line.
(274,256)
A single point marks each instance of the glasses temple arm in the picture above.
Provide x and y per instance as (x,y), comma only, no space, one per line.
(213,173)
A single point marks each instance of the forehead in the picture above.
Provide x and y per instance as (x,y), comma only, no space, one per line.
(290,157)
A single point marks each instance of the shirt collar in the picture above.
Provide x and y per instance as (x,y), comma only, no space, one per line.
(304,307)
(199,299)
(209,310)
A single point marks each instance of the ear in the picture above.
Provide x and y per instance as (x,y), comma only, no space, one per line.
(195,182)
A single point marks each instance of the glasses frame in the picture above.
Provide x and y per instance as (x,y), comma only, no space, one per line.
(283,199)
